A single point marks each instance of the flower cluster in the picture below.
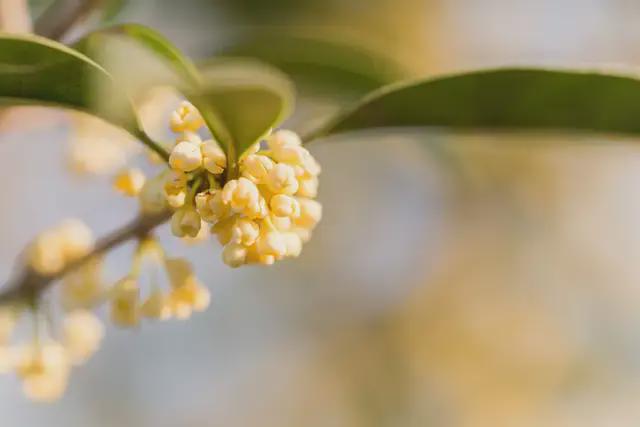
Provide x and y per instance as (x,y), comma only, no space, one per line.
(185,293)
(44,364)
(263,214)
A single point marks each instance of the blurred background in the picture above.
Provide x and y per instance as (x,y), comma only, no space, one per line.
(455,280)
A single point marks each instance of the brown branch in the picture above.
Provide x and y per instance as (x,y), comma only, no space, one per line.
(27,285)
(62,16)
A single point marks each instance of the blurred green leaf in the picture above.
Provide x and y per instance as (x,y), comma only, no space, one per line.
(38,71)
(501,99)
(322,65)
(139,57)
(112,8)
(242,101)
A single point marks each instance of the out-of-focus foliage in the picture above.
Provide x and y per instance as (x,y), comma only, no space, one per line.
(322,66)
(38,71)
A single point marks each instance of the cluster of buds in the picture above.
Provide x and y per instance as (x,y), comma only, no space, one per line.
(51,251)
(263,214)
(44,364)
(185,293)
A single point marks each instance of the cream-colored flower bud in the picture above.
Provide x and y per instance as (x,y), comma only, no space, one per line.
(44,369)
(179,271)
(281,223)
(125,303)
(308,187)
(222,230)
(186,222)
(190,137)
(256,167)
(185,157)
(283,138)
(245,232)
(152,197)
(294,244)
(45,388)
(83,287)
(303,233)
(234,254)
(213,158)
(272,243)
(77,239)
(156,306)
(191,294)
(283,205)
(310,213)
(203,205)
(129,182)
(282,180)
(45,254)
(82,332)
(242,195)
(186,118)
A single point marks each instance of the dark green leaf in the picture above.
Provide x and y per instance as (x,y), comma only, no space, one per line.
(321,65)
(242,101)
(34,70)
(502,99)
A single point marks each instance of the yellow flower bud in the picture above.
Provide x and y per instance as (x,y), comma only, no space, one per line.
(234,254)
(283,138)
(293,243)
(272,243)
(210,206)
(156,306)
(179,271)
(44,369)
(129,182)
(185,157)
(242,195)
(76,238)
(213,158)
(308,187)
(256,167)
(285,206)
(45,254)
(186,222)
(190,296)
(83,332)
(175,188)
(282,179)
(83,287)
(222,230)
(310,213)
(186,118)
(125,310)
(46,387)
(152,196)
(245,232)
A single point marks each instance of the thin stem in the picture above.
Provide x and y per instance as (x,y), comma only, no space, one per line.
(29,284)
(153,146)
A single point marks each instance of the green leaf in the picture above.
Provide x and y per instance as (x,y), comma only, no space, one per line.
(321,65)
(138,57)
(502,99)
(38,71)
(242,101)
